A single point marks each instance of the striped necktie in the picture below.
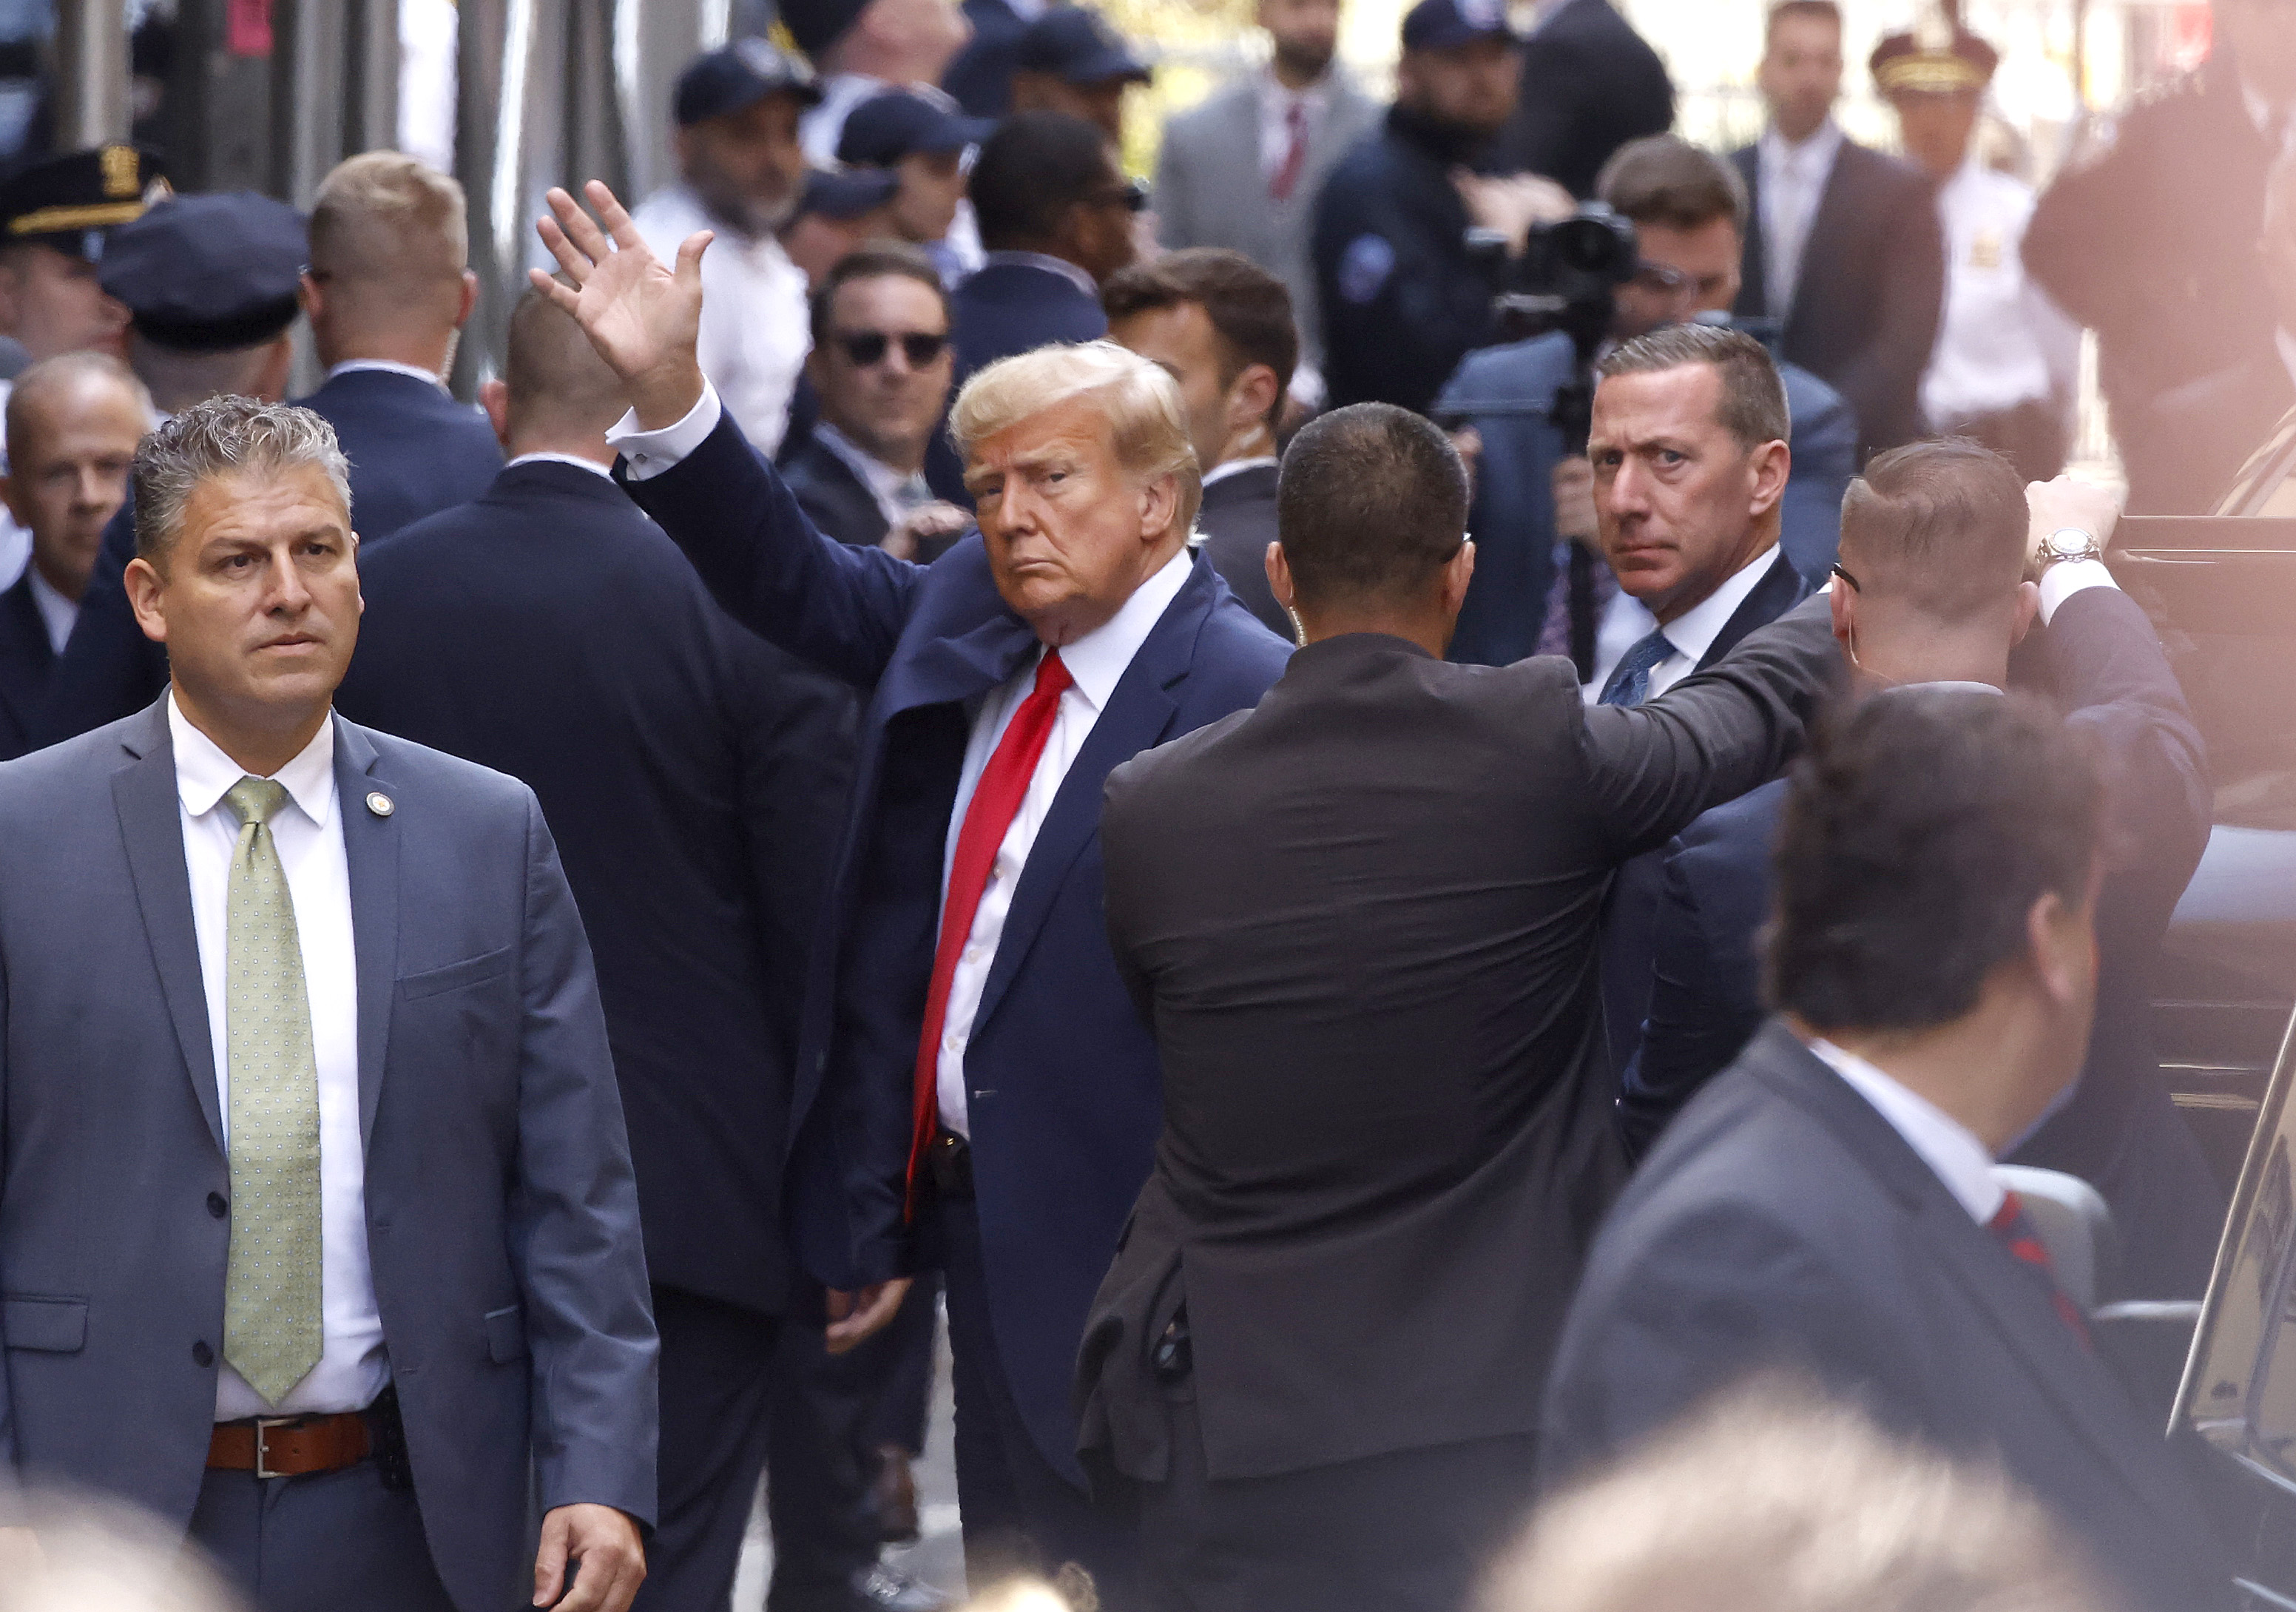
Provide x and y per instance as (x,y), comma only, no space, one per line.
(2014,1228)
(1629,681)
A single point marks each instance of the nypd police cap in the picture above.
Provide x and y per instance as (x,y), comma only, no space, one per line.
(205,273)
(72,201)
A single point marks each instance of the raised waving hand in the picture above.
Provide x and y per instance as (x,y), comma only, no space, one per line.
(643,317)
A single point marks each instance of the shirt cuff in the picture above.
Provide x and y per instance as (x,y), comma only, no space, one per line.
(2059,583)
(649,453)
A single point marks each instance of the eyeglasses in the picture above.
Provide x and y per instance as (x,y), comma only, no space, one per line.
(1845,577)
(1660,278)
(867,348)
(1132,196)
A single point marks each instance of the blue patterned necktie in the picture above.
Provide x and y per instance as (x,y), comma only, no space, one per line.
(1630,683)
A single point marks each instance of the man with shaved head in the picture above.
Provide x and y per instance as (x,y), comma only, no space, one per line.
(694,778)
(73,423)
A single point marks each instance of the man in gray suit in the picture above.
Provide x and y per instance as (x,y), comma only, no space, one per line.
(1242,170)
(317,1232)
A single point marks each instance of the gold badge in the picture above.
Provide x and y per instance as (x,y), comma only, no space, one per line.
(379,804)
(122,170)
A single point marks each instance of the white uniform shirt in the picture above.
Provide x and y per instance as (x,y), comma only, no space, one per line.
(1948,1146)
(2001,341)
(754,333)
(352,1368)
(1793,183)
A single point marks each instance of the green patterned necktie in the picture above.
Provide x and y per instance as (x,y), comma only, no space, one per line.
(271,1285)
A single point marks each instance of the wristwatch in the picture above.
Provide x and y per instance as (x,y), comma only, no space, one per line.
(2069,543)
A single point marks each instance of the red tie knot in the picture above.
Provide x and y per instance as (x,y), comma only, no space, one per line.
(1053,678)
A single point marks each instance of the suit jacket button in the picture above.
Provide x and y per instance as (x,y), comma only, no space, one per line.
(201,1356)
(217,1206)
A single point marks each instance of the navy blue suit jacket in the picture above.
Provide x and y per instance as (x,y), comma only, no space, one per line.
(1064,1097)
(1506,394)
(1010,308)
(27,660)
(414,451)
(1782,1224)
(694,779)
(2118,1129)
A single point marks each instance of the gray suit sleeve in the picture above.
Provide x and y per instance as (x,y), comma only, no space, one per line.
(1177,225)
(1714,736)
(574,1219)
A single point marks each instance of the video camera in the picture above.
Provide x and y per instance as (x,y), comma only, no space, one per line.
(1567,279)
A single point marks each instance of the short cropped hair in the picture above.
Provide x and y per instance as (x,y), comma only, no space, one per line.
(1249,308)
(1370,503)
(875,261)
(1918,832)
(1147,423)
(64,371)
(551,373)
(1816,10)
(1941,526)
(224,436)
(1030,172)
(390,225)
(1772,1497)
(1665,180)
(1753,406)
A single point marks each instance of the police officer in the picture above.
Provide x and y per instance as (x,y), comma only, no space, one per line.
(2149,234)
(1403,300)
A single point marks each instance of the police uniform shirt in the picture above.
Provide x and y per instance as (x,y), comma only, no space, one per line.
(754,337)
(2001,343)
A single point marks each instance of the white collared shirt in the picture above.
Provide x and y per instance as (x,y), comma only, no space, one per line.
(896,493)
(1095,660)
(754,333)
(1061,266)
(576,460)
(353,1367)
(389,366)
(1948,1148)
(57,613)
(1229,467)
(1691,633)
(1793,183)
(2001,341)
(1276,101)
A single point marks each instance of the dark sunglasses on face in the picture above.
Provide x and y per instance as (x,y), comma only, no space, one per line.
(1132,196)
(867,348)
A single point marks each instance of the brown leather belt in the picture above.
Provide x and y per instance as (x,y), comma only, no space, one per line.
(291,1446)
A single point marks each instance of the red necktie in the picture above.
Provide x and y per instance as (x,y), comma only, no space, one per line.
(2014,1228)
(1295,155)
(996,799)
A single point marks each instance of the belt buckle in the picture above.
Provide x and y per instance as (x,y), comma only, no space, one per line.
(263,1426)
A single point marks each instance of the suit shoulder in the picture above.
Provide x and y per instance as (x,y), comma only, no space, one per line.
(1203,118)
(1168,765)
(410,765)
(1528,371)
(63,772)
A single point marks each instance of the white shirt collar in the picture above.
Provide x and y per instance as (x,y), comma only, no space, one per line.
(1276,94)
(203,773)
(1948,1148)
(1817,152)
(1693,631)
(1061,266)
(1223,470)
(57,613)
(389,367)
(1098,659)
(576,460)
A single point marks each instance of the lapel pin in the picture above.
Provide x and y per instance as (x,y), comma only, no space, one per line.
(379,804)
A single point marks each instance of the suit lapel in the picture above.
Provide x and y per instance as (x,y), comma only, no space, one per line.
(957,668)
(1780,590)
(151,826)
(1139,714)
(371,852)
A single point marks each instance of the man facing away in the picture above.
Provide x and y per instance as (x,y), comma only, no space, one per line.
(1829,1206)
(1939,541)
(1845,253)
(1362,919)
(1222,325)
(1242,170)
(976,1092)
(73,421)
(376,1269)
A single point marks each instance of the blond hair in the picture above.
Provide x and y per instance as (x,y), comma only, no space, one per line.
(1774,1499)
(1147,423)
(387,228)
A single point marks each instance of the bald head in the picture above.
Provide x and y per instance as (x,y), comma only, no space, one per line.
(73,423)
(390,254)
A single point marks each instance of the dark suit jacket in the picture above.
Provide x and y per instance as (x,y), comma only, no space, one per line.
(1590,84)
(694,779)
(1872,288)
(1362,918)
(2118,1131)
(414,451)
(501,1222)
(1238,520)
(1630,921)
(1061,1072)
(2198,436)
(1783,1223)
(1010,307)
(833,496)
(981,76)
(27,660)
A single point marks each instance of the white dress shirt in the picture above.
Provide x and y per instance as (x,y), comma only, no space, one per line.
(389,366)
(1793,183)
(1095,660)
(352,1368)
(57,613)
(604,472)
(896,493)
(1691,633)
(1276,101)
(754,333)
(1230,468)
(1948,1148)
(2001,341)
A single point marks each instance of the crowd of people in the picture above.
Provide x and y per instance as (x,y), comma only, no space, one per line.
(1376,905)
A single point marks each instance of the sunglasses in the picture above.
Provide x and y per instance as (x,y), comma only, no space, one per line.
(867,348)
(1132,196)
(1845,577)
